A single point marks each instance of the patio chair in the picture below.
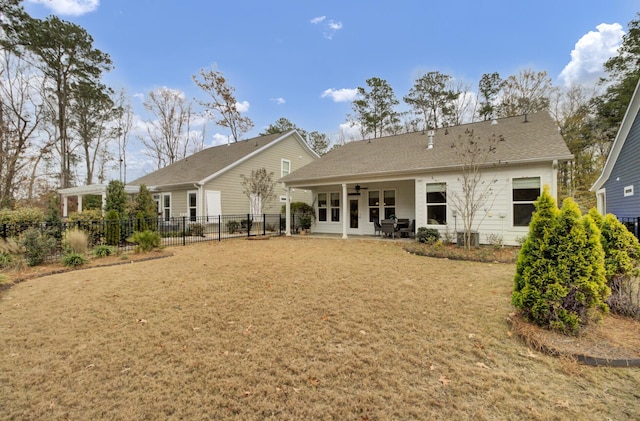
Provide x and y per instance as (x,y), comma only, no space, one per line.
(377,228)
(409,231)
(389,227)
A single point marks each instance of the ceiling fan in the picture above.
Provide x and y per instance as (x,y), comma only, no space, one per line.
(358,188)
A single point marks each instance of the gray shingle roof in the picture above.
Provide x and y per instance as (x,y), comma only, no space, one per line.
(201,165)
(538,139)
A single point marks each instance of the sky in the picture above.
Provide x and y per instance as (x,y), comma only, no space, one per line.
(303,60)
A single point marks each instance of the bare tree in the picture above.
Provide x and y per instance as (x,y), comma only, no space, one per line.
(21,117)
(221,103)
(432,98)
(168,137)
(124,122)
(259,188)
(526,92)
(476,191)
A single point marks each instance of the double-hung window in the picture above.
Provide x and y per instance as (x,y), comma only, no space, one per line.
(389,203)
(437,203)
(335,207)
(374,206)
(322,207)
(525,192)
(285,167)
(192,199)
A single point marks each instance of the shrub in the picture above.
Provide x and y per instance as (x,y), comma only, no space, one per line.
(112,228)
(37,246)
(197,230)
(622,252)
(145,240)
(74,259)
(559,281)
(91,222)
(103,250)
(427,235)
(233,226)
(75,240)
(6,260)
(20,220)
(246,224)
(495,240)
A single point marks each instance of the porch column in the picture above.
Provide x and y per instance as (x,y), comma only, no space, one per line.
(79,203)
(287,213)
(345,211)
(65,205)
(104,201)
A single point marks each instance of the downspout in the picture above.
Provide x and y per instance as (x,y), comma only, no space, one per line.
(200,200)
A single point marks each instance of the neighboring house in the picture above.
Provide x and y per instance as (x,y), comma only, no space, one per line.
(615,188)
(209,182)
(416,175)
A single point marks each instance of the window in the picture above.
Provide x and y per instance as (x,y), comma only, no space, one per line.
(525,192)
(437,203)
(374,206)
(389,203)
(166,206)
(192,203)
(285,167)
(335,207)
(322,207)
(628,191)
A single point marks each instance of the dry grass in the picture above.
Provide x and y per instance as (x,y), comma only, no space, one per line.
(289,328)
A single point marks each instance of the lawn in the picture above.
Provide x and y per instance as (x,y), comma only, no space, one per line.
(289,328)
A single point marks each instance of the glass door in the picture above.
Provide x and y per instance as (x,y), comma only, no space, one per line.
(353,213)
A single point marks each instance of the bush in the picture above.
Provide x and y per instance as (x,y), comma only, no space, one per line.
(103,250)
(196,230)
(559,282)
(6,260)
(20,220)
(37,246)
(233,227)
(74,259)
(427,235)
(75,240)
(145,240)
(91,222)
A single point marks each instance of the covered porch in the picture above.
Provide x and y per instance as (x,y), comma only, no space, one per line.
(352,208)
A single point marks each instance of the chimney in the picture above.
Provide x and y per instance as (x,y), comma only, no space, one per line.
(430,144)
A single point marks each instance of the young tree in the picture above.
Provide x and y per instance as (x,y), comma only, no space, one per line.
(259,188)
(488,87)
(222,103)
(168,133)
(124,122)
(116,198)
(525,93)
(65,54)
(432,99)
(476,191)
(374,109)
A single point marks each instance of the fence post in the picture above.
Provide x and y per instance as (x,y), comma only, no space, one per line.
(184,230)
(219,227)
(264,224)
(4,231)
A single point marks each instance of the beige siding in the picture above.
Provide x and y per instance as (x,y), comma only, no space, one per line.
(234,201)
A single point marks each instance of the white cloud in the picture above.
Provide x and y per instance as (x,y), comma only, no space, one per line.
(69,7)
(590,53)
(340,95)
(242,107)
(221,139)
(330,26)
(349,132)
(279,100)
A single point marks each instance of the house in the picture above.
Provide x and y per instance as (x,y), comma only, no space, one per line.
(615,188)
(209,182)
(417,176)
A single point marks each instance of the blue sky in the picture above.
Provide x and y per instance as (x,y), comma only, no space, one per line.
(302,59)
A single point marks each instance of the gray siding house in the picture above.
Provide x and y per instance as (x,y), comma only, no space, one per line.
(417,176)
(615,189)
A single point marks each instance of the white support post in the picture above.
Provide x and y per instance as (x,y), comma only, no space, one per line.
(79,203)
(65,205)
(345,211)
(287,217)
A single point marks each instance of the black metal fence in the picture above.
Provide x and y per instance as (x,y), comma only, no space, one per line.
(632,224)
(176,231)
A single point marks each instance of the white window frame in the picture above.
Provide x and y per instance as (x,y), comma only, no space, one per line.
(628,191)
(514,181)
(384,206)
(331,207)
(284,171)
(166,210)
(444,204)
(189,207)
(325,207)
